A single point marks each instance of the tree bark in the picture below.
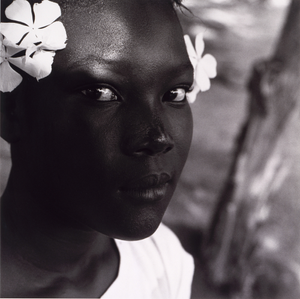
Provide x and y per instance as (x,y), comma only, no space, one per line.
(241,261)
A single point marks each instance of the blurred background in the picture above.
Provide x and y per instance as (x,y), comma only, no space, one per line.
(267,264)
(238,33)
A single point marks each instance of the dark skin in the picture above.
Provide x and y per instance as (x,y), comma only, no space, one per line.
(112,113)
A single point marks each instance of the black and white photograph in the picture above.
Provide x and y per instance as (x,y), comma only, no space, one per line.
(150,149)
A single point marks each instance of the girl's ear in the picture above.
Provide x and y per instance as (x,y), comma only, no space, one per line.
(9,121)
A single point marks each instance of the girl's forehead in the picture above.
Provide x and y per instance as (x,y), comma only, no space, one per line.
(131,29)
(137,11)
(141,18)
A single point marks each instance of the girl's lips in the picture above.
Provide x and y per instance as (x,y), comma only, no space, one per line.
(147,182)
(150,188)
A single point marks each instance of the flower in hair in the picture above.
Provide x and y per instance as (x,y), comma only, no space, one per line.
(10,79)
(39,35)
(205,67)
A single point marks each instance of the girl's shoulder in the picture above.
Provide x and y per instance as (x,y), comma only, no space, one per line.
(156,267)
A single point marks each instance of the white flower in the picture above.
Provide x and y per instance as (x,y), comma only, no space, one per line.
(38,66)
(40,36)
(10,79)
(204,67)
(43,31)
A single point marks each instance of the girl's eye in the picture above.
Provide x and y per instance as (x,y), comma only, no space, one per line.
(101,94)
(175,95)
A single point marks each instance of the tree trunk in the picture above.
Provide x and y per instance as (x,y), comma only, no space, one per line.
(242,258)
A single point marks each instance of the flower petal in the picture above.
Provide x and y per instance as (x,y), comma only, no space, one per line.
(10,79)
(30,39)
(39,66)
(20,10)
(7,48)
(2,49)
(199,44)
(201,78)
(204,68)
(209,64)
(30,50)
(191,51)
(45,13)
(192,95)
(53,37)
(13,31)
(43,60)
(2,54)
(12,50)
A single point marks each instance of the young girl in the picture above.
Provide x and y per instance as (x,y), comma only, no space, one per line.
(98,143)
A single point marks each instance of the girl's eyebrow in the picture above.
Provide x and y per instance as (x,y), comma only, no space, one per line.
(117,65)
(183,68)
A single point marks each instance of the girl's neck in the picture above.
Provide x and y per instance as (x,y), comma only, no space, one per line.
(46,239)
(65,259)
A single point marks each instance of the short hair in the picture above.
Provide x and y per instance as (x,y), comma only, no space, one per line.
(89,2)
(76,4)
(5,3)
(85,3)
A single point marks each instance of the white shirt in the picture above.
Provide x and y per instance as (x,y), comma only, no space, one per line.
(153,268)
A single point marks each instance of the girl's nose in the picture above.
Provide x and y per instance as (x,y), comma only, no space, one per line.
(149,142)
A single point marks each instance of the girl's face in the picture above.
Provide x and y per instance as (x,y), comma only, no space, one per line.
(110,129)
